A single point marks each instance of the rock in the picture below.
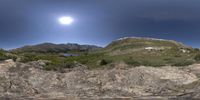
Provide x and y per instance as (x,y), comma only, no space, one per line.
(5,65)
(19,80)
(39,64)
(154,48)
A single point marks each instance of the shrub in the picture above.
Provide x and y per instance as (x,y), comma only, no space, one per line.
(2,58)
(177,55)
(197,57)
(183,63)
(5,55)
(103,62)
(153,63)
(29,57)
(132,62)
(196,50)
(49,67)
(58,66)
(2,55)
(167,59)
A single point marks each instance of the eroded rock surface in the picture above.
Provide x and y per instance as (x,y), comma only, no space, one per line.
(25,81)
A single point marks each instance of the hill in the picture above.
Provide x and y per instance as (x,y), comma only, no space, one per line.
(55,48)
(124,71)
(130,52)
(150,52)
(137,44)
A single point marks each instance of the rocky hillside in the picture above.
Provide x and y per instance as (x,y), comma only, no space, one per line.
(132,51)
(137,43)
(128,68)
(150,52)
(55,48)
(27,81)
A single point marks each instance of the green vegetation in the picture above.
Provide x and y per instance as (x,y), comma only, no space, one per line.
(172,56)
(5,55)
(183,63)
(138,43)
(131,61)
(57,61)
(197,57)
(132,52)
(103,62)
(165,52)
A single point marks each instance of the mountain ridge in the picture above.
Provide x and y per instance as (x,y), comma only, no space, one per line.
(128,43)
(52,47)
(147,38)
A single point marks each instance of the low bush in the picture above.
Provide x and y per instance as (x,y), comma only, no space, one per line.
(153,63)
(182,63)
(197,57)
(103,62)
(29,57)
(196,49)
(132,62)
(4,56)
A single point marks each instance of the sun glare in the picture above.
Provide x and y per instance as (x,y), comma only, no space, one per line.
(66,20)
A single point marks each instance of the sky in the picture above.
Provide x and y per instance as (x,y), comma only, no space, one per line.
(97,22)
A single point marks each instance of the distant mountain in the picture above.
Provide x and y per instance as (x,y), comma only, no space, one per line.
(50,47)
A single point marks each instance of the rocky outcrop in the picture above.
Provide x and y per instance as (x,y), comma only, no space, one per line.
(25,81)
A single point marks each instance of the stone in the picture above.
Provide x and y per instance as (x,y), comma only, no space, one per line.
(23,81)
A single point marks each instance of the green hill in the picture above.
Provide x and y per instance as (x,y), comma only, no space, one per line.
(150,52)
(130,51)
(134,44)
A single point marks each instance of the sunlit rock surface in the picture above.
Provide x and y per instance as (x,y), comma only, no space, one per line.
(25,81)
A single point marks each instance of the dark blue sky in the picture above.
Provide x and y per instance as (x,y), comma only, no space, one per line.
(24,22)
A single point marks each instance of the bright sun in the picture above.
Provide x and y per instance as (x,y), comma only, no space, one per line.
(66,20)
